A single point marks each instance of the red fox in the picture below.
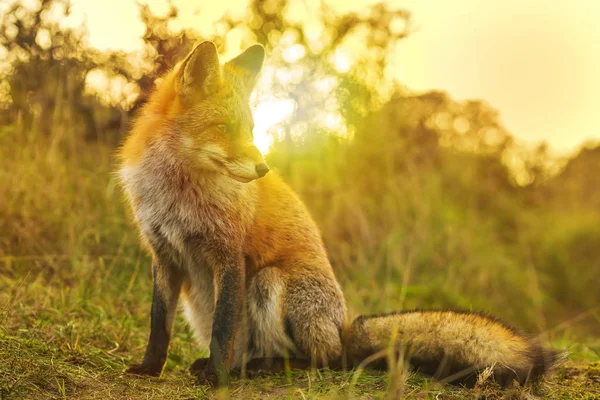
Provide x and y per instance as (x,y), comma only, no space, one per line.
(240,249)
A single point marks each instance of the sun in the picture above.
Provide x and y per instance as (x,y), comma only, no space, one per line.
(266,115)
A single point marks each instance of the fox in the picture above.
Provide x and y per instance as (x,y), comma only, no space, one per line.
(235,245)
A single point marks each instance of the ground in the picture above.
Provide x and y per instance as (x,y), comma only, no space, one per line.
(70,332)
(32,369)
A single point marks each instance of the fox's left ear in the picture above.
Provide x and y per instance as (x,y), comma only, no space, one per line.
(248,65)
(200,72)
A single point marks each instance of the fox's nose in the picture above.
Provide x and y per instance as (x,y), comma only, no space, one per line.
(262,169)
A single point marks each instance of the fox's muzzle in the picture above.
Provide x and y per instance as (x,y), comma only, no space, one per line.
(246,165)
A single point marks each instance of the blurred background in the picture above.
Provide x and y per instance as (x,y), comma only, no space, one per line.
(449,151)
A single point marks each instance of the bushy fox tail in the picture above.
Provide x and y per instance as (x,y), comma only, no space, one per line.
(450,346)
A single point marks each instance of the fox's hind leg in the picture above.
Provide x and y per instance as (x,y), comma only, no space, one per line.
(294,315)
(266,336)
(314,314)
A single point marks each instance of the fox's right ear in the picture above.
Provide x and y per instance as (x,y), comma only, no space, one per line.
(200,73)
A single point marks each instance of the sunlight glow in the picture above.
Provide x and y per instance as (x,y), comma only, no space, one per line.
(556,43)
(335,123)
(267,114)
(341,62)
(293,53)
(326,84)
(111,90)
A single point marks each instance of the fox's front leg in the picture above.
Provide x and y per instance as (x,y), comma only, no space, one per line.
(167,285)
(229,285)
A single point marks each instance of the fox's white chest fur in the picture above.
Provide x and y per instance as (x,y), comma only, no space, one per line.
(171,204)
(165,194)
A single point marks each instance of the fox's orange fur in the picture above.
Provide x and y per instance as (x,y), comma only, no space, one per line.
(245,255)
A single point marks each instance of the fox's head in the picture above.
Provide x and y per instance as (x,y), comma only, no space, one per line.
(213,119)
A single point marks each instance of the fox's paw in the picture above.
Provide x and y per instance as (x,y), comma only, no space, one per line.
(212,378)
(199,366)
(260,367)
(205,378)
(143,369)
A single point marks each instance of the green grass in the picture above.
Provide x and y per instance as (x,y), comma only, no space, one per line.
(75,288)
(70,334)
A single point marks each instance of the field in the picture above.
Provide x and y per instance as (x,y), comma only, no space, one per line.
(76,288)
(422,201)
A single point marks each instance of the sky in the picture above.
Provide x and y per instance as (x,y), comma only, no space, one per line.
(536,61)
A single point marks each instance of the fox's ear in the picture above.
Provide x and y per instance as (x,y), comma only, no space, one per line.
(248,65)
(200,73)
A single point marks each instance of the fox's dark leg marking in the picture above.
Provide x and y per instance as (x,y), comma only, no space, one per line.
(167,278)
(230,286)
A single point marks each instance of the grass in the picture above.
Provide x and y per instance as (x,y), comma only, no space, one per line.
(75,288)
(70,335)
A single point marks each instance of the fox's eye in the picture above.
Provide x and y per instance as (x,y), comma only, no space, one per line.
(223,128)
